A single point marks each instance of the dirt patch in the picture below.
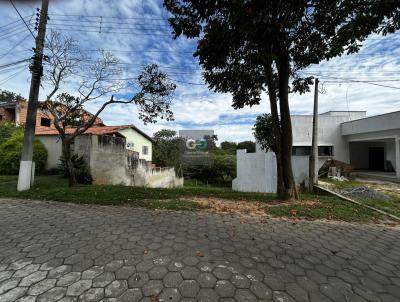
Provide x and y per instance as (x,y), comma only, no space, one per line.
(225,206)
(243,207)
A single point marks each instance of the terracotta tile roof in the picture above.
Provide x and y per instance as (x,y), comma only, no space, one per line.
(97,130)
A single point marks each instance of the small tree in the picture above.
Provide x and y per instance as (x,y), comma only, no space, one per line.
(247,47)
(96,79)
(167,149)
(264,132)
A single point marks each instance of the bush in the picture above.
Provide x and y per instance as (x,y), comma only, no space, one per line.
(10,153)
(6,131)
(81,169)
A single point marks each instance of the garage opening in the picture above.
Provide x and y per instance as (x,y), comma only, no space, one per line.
(376,158)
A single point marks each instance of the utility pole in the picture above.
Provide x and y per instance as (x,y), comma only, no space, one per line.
(25,168)
(313,169)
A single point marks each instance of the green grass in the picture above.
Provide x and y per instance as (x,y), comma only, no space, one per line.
(391,205)
(326,207)
(56,188)
(343,184)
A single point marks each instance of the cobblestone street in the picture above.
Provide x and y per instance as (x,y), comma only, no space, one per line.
(52,251)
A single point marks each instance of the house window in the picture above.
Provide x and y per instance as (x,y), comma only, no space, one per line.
(45,122)
(325,150)
(306,150)
(130,145)
(145,150)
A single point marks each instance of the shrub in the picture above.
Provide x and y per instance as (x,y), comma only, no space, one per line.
(81,169)
(10,153)
(6,131)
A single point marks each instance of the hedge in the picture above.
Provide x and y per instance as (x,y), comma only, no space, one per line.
(10,154)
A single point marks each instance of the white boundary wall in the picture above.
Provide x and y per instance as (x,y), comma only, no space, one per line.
(256,172)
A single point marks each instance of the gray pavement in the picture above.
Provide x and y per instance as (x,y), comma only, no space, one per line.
(64,252)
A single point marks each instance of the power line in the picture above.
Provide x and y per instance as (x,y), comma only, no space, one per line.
(17,21)
(345,80)
(13,63)
(111,32)
(22,19)
(107,17)
(137,50)
(13,75)
(12,48)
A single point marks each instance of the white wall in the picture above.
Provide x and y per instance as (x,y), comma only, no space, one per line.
(54,150)
(384,122)
(329,133)
(256,172)
(135,142)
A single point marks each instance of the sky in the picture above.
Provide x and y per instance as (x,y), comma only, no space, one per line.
(136,31)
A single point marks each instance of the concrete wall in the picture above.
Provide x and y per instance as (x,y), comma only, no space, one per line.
(156,178)
(384,122)
(329,132)
(135,142)
(111,163)
(256,172)
(54,150)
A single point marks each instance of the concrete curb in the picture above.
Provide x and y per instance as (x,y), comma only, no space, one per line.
(357,202)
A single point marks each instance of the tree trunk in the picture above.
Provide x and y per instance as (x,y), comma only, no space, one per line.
(280,188)
(290,191)
(69,167)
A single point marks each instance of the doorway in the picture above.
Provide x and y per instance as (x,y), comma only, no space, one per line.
(376,157)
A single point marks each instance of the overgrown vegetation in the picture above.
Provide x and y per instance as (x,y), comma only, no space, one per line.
(11,147)
(221,170)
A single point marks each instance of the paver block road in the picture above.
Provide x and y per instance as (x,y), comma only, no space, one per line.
(53,251)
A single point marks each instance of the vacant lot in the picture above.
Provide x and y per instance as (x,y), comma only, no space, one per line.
(382,195)
(214,199)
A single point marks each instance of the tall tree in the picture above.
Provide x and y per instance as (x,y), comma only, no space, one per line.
(246,47)
(95,79)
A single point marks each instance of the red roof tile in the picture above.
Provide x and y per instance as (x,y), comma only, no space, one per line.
(98,130)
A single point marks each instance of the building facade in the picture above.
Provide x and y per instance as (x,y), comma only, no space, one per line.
(136,140)
(370,144)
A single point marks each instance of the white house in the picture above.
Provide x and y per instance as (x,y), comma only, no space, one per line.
(370,144)
(135,139)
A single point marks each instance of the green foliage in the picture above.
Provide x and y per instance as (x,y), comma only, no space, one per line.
(224,167)
(264,132)
(6,131)
(80,168)
(229,147)
(238,40)
(222,171)
(10,97)
(10,153)
(248,145)
(166,149)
